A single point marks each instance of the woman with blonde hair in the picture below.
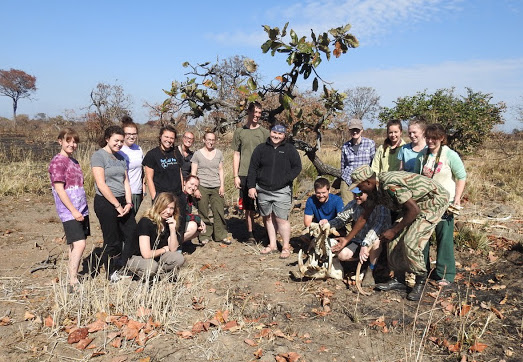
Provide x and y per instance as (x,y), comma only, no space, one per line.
(157,239)
(409,152)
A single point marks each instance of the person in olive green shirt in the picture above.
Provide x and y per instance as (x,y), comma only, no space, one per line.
(244,141)
(386,157)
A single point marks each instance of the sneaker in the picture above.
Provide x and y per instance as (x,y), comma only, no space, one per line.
(392,284)
(115,277)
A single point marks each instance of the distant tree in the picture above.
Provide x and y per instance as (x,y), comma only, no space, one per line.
(519,111)
(109,104)
(16,84)
(467,119)
(197,96)
(362,103)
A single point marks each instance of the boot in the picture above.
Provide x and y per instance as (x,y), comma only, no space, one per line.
(393,284)
(417,291)
(368,279)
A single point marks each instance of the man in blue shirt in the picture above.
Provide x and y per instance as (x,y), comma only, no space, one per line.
(322,205)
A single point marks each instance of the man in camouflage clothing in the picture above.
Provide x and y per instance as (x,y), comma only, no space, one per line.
(421,202)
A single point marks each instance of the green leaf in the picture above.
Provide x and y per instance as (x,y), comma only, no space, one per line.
(284,30)
(192,105)
(251,84)
(286,101)
(273,33)
(185,64)
(267,28)
(315,84)
(266,46)
(294,37)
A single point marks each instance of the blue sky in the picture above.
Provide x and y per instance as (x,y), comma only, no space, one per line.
(405,46)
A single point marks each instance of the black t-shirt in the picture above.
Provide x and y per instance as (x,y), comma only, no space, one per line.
(147,227)
(166,166)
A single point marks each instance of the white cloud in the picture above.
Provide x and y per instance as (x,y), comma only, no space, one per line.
(502,78)
(369,18)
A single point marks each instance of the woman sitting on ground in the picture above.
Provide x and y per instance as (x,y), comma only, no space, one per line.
(191,225)
(157,239)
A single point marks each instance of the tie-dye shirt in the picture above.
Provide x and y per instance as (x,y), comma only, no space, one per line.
(68,171)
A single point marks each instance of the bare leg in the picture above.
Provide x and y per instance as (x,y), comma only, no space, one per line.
(345,254)
(284,228)
(375,252)
(76,251)
(271,230)
(249,219)
(191,232)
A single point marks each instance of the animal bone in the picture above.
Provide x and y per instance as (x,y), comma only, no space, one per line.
(321,262)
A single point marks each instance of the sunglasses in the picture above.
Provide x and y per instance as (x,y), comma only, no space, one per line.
(358,193)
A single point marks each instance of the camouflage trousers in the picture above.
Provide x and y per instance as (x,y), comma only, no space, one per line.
(405,252)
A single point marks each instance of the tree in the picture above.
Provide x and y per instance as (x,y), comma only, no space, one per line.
(16,84)
(196,96)
(362,103)
(109,104)
(467,119)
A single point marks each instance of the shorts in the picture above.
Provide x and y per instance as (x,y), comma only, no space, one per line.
(278,202)
(354,247)
(76,230)
(248,203)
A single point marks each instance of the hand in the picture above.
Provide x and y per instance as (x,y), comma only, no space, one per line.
(121,210)
(237,182)
(78,216)
(457,203)
(364,254)
(387,236)
(171,221)
(221,191)
(166,248)
(197,194)
(253,193)
(339,247)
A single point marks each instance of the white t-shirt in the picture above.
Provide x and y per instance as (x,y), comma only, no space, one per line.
(133,156)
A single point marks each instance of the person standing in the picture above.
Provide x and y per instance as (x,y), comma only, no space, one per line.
(163,165)
(443,165)
(274,166)
(133,155)
(386,158)
(244,141)
(186,152)
(113,202)
(356,152)
(422,202)
(409,152)
(67,182)
(207,164)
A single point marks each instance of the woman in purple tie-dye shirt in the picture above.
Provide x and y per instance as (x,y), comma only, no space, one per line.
(67,183)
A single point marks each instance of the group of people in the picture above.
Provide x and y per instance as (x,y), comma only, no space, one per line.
(400,195)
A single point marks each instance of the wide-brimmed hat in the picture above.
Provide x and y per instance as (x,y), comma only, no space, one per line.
(360,174)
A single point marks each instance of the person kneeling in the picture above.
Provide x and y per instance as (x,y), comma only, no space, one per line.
(366,243)
(157,239)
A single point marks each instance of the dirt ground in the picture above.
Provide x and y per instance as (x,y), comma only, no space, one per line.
(269,314)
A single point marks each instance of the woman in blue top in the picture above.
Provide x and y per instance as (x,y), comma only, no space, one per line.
(409,152)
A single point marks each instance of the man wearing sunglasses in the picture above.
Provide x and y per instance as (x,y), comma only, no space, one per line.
(366,242)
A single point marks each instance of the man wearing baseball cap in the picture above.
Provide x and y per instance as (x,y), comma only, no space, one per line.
(421,202)
(356,152)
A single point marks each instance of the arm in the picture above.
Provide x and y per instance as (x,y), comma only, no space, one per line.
(145,248)
(194,171)
(372,151)
(307,220)
(149,174)
(128,195)
(221,190)
(343,217)
(236,168)
(460,174)
(376,162)
(253,172)
(358,225)
(460,187)
(99,178)
(412,210)
(173,243)
(59,188)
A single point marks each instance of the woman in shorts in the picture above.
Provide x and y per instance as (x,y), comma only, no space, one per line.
(67,181)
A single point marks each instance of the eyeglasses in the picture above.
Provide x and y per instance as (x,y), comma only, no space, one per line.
(131,134)
(188,138)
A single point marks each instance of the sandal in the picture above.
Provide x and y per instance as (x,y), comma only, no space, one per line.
(226,241)
(268,250)
(443,283)
(204,241)
(285,253)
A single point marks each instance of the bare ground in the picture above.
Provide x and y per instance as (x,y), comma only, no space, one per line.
(251,308)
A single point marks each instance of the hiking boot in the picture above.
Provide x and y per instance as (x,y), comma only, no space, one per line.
(368,279)
(417,291)
(392,284)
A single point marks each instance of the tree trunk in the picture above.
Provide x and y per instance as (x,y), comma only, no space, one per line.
(15,106)
(321,167)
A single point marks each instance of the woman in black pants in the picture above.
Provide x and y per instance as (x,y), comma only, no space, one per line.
(112,203)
